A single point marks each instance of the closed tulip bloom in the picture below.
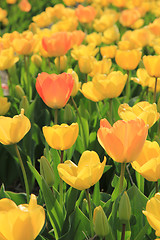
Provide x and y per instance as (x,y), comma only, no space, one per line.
(20,222)
(152,213)
(152,64)
(128,59)
(124,141)
(108,51)
(85,14)
(94,38)
(24,6)
(104,86)
(77,84)
(61,137)
(54,89)
(85,64)
(86,174)
(148,162)
(101,67)
(4,105)
(58,44)
(12,130)
(7,59)
(111,34)
(144,110)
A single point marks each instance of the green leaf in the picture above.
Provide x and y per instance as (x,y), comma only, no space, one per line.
(138,203)
(79,226)
(96,194)
(3,193)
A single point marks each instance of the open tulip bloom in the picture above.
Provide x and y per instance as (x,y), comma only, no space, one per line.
(124,141)
(86,174)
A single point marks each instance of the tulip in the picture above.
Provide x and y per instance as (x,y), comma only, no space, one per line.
(144,110)
(111,34)
(85,14)
(124,208)
(37,60)
(105,21)
(61,137)
(24,6)
(86,174)
(129,16)
(151,64)
(108,51)
(103,86)
(100,221)
(148,162)
(54,90)
(101,67)
(21,222)
(61,63)
(85,64)
(58,44)
(7,59)
(152,213)
(4,105)
(94,38)
(77,84)
(46,171)
(84,50)
(124,141)
(12,130)
(128,59)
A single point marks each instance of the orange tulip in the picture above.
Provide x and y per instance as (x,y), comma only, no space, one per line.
(129,17)
(24,6)
(85,14)
(54,89)
(124,141)
(58,44)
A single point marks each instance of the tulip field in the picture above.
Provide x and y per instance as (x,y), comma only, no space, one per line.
(80,120)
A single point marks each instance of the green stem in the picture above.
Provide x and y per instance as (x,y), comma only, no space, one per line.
(121,177)
(111,110)
(23,171)
(127,87)
(90,212)
(155,90)
(55,115)
(83,132)
(123,231)
(28,80)
(157,188)
(61,184)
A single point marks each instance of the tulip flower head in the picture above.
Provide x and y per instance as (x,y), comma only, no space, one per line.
(54,89)
(124,141)
(4,105)
(151,64)
(144,110)
(85,14)
(86,174)
(148,161)
(152,213)
(61,137)
(20,222)
(12,130)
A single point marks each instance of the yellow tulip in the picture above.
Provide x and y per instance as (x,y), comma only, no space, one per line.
(144,110)
(101,67)
(77,84)
(108,51)
(7,58)
(128,59)
(86,174)
(84,50)
(103,86)
(61,137)
(148,162)
(152,213)
(12,130)
(111,34)
(4,105)
(152,64)
(95,38)
(61,63)
(20,222)
(85,64)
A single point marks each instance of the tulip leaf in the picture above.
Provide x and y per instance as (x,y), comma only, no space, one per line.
(142,232)
(116,184)
(55,161)
(18,198)
(3,193)
(79,226)
(138,203)
(53,207)
(71,198)
(96,194)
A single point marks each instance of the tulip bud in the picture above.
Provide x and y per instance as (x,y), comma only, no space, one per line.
(46,171)
(77,84)
(33,27)
(100,221)
(24,104)
(37,60)
(19,91)
(85,64)
(124,208)
(69,116)
(61,63)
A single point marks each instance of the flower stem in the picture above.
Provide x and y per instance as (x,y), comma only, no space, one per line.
(23,171)
(90,212)
(111,110)
(55,115)
(83,132)
(127,87)
(121,177)
(61,184)
(28,80)
(123,231)
(157,188)
(155,90)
